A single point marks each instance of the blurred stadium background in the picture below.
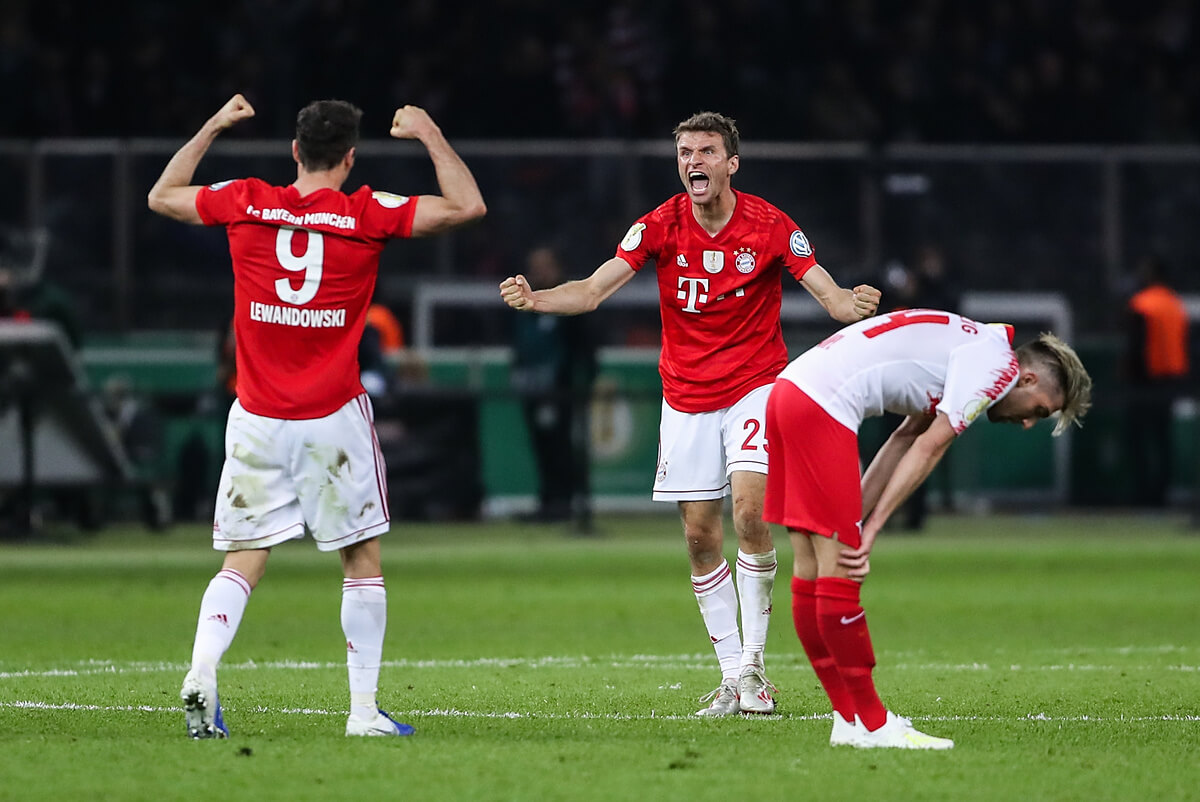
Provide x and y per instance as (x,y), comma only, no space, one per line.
(1042,147)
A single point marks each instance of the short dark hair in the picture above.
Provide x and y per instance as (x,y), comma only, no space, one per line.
(712,122)
(325,132)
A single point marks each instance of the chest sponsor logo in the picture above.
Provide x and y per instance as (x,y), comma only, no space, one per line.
(744,260)
(714,261)
(633,237)
(799,244)
(692,291)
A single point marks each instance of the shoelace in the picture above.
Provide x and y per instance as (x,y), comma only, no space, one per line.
(715,692)
(760,675)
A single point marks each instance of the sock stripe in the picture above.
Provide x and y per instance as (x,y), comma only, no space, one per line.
(754,568)
(236,578)
(702,585)
(364,582)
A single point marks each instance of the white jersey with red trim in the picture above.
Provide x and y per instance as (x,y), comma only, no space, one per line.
(909,362)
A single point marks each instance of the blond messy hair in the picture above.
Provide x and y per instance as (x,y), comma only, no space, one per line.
(1068,371)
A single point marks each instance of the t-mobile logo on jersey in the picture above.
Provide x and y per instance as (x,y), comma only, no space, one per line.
(692,291)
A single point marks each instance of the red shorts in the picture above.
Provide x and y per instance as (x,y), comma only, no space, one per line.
(814,482)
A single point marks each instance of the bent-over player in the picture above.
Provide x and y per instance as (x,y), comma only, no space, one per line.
(942,371)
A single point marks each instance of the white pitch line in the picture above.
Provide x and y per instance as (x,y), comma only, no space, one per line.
(640,661)
(584,716)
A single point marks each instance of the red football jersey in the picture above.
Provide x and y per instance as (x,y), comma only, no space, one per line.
(304,271)
(720,297)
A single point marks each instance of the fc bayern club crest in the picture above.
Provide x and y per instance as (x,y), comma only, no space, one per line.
(744,261)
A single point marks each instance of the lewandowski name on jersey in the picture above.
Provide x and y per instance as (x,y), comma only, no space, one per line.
(294,316)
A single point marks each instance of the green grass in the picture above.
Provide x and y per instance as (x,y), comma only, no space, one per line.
(1061,653)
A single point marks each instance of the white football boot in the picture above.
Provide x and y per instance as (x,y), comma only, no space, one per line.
(724,700)
(845,733)
(381,724)
(899,733)
(754,691)
(201,707)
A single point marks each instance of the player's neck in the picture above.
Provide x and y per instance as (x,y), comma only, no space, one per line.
(306,183)
(715,215)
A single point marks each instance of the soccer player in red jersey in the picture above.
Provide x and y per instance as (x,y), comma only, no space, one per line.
(300,446)
(940,370)
(719,255)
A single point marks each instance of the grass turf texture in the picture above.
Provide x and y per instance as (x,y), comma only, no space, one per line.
(1061,653)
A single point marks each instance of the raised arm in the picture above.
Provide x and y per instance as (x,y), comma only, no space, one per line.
(571,297)
(845,306)
(172,194)
(460,201)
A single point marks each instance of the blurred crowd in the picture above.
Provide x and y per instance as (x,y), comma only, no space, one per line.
(924,71)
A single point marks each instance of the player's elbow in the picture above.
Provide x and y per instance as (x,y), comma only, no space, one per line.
(472,211)
(160,202)
(154,200)
(453,217)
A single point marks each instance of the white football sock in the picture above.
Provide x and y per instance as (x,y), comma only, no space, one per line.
(364,620)
(719,607)
(221,611)
(755,582)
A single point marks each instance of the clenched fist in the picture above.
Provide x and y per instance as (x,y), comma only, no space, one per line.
(411,122)
(516,292)
(236,109)
(866,300)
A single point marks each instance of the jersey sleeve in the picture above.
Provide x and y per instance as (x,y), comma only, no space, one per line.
(220,203)
(388,216)
(977,376)
(787,239)
(643,242)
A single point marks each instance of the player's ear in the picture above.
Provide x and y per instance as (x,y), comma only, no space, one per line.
(734,162)
(349,159)
(296,151)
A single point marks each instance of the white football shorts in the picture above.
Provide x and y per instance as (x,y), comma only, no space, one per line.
(283,475)
(697,451)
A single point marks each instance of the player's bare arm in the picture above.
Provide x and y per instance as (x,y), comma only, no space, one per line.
(571,297)
(884,463)
(461,201)
(911,470)
(843,305)
(172,194)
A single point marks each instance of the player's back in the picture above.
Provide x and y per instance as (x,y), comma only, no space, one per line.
(304,273)
(907,362)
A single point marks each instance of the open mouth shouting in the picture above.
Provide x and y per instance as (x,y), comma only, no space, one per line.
(697,181)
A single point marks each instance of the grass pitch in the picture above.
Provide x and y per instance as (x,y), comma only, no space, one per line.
(1061,653)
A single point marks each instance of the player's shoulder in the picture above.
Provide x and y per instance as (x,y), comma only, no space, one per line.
(671,210)
(761,210)
(370,200)
(229,186)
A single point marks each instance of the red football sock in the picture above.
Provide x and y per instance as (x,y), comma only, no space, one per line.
(843,625)
(804,616)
